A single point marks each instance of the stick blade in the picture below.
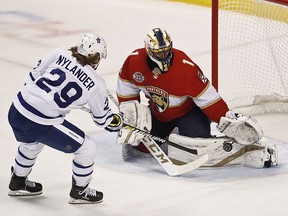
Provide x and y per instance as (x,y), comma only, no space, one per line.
(189,167)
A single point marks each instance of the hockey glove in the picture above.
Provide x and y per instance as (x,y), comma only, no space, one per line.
(116,124)
(244,129)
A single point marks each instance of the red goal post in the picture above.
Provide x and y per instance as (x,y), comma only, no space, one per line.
(250,54)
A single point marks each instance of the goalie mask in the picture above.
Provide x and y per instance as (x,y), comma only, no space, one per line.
(91,44)
(158,46)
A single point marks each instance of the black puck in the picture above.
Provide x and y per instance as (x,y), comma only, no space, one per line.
(227,147)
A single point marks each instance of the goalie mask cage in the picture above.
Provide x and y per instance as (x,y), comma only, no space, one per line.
(250,54)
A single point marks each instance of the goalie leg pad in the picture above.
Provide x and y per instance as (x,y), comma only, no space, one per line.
(218,157)
(259,155)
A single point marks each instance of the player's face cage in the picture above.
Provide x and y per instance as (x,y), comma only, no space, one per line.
(162,54)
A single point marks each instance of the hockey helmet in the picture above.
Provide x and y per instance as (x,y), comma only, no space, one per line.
(91,44)
(158,46)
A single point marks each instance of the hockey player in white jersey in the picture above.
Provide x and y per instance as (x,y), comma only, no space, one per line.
(63,80)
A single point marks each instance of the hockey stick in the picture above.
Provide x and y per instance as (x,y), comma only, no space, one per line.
(147,134)
(170,168)
(198,151)
(166,163)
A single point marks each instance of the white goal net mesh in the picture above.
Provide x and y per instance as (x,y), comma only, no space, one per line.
(253,55)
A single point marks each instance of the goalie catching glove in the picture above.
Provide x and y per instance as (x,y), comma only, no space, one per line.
(116,123)
(136,115)
(244,129)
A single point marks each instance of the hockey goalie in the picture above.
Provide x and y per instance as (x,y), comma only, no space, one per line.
(181,96)
(243,143)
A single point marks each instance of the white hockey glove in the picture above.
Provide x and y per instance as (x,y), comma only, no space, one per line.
(244,129)
(116,124)
(135,115)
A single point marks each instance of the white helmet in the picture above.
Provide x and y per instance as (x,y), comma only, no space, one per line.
(158,45)
(91,44)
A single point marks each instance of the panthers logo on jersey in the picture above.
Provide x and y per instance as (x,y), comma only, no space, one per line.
(159,97)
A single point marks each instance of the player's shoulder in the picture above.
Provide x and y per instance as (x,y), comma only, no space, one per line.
(180,55)
(136,58)
(59,51)
(55,53)
(186,67)
(179,52)
(137,53)
(183,60)
(95,75)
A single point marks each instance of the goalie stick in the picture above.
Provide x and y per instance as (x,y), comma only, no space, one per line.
(198,151)
(147,134)
(166,163)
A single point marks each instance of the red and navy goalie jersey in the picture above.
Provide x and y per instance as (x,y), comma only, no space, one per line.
(171,94)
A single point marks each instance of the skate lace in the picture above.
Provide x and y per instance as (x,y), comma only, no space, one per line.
(89,192)
(30,183)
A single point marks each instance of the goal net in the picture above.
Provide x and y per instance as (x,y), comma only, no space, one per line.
(250,54)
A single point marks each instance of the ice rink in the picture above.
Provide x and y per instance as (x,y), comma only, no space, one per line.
(30,28)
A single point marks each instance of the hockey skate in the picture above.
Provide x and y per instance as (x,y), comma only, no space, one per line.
(21,186)
(84,195)
(271,156)
(129,152)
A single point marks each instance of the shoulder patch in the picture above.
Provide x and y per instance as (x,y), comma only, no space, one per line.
(138,77)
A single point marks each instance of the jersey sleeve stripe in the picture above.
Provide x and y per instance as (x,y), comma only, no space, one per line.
(207,98)
(101,117)
(211,103)
(104,123)
(203,92)
(31,76)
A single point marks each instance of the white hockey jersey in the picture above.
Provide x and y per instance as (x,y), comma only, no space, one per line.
(59,84)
